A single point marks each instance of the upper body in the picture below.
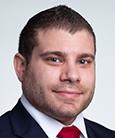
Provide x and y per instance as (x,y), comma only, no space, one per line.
(55,64)
(20,123)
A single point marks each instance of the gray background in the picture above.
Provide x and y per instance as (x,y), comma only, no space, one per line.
(101,15)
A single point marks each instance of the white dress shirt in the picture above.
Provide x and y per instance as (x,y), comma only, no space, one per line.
(51,126)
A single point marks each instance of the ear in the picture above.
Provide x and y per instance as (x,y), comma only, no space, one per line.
(19,66)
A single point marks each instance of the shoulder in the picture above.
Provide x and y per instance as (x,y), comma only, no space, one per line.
(8,120)
(5,126)
(98,129)
(19,123)
(4,119)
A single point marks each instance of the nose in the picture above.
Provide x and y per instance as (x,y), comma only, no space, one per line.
(70,73)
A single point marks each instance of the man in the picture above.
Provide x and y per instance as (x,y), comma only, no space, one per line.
(55,64)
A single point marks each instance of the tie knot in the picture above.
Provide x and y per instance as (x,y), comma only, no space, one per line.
(69,132)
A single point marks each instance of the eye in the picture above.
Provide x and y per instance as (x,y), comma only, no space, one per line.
(84,61)
(54,60)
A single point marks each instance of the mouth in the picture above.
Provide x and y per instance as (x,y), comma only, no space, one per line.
(68,94)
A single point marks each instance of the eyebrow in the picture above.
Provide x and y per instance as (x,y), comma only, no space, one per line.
(58,53)
(86,55)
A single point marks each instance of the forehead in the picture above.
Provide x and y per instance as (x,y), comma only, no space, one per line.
(62,40)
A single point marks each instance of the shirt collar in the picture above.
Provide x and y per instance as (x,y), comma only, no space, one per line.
(49,124)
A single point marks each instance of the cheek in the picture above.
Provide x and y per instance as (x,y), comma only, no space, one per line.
(48,73)
(47,76)
(88,78)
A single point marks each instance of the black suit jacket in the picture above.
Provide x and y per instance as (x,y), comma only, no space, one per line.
(18,123)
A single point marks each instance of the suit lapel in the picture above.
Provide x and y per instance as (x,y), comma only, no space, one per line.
(90,128)
(24,125)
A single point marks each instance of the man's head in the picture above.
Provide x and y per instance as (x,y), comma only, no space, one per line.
(56,63)
(60,17)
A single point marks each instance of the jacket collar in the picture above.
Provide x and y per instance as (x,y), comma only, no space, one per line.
(23,124)
(92,129)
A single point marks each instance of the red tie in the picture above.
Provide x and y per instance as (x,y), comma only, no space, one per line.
(69,132)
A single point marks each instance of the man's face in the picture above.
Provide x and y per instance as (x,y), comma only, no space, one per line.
(60,78)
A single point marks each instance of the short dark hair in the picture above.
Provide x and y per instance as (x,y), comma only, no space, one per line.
(60,17)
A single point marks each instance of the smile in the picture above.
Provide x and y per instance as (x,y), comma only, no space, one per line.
(69,94)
